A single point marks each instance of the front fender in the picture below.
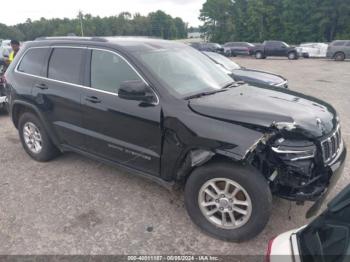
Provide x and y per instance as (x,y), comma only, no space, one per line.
(194,132)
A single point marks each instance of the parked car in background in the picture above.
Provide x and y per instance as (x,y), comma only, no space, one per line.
(339,50)
(5,49)
(3,91)
(168,113)
(307,50)
(253,77)
(210,47)
(238,48)
(325,239)
(275,48)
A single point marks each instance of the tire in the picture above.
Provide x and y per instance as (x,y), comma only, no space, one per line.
(42,149)
(340,56)
(292,56)
(259,55)
(246,177)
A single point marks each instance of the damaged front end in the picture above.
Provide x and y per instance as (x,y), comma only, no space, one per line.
(297,168)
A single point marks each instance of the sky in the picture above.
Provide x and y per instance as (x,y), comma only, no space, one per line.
(188,10)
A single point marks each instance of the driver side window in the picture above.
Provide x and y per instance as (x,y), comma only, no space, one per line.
(109,70)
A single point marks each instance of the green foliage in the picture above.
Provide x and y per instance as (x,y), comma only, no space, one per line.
(292,21)
(158,24)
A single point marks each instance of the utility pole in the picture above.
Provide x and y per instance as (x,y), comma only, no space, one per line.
(81,22)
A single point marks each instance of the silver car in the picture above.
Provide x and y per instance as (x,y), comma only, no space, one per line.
(339,50)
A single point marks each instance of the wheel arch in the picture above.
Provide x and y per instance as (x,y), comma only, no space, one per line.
(20,107)
(339,52)
(198,157)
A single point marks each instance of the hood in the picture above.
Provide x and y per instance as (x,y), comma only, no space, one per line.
(251,75)
(267,106)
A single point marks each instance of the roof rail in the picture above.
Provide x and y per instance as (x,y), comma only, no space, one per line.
(71,38)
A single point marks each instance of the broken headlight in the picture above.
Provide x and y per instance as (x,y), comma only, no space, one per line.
(293,150)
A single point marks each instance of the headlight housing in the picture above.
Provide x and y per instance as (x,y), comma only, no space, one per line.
(294,150)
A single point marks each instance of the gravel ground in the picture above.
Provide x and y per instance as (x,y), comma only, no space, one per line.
(74,205)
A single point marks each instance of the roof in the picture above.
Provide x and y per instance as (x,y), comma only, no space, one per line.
(130,43)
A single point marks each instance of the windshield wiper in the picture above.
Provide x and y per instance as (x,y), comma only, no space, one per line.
(204,94)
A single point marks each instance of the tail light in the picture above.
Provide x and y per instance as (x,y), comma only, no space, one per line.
(268,251)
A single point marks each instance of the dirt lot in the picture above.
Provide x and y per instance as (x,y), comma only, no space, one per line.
(77,206)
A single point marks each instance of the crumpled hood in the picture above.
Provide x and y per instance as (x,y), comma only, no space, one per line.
(260,75)
(266,106)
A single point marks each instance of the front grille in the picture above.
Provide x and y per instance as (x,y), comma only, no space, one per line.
(332,146)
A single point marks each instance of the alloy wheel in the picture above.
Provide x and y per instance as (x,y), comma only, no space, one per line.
(225,203)
(32,137)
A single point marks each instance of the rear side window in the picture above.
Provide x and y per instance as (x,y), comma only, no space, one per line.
(339,43)
(33,61)
(109,70)
(65,65)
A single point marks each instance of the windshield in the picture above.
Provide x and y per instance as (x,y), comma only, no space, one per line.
(184,71)
(222,60)
(285,44)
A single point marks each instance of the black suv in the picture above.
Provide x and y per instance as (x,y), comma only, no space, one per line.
(167,112)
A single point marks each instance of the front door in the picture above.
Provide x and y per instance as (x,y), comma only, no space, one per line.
(116,129)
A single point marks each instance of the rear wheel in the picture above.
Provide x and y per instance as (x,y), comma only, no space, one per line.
(259,55)
(228,201)
(35,140)
(340,56)
(292,56)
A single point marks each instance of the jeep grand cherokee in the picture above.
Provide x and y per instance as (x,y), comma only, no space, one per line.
(167,112)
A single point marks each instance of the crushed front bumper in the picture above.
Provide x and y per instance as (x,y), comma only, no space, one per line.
(335,170)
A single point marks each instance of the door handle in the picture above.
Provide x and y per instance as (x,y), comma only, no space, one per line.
(41,86)
(93,99)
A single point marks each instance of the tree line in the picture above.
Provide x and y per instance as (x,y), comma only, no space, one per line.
(155,24)
(293,21)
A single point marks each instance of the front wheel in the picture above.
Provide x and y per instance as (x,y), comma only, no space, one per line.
(228,201)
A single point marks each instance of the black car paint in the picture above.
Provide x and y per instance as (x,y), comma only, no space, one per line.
(259,78)
(274,48)
(253,77)
(239,124)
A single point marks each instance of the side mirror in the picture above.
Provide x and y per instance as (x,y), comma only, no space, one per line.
(136,90)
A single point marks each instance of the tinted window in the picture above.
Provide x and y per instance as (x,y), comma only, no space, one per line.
(348,43)
(338,43)
(65,64)
(328,236)
(33,61)
(109,70)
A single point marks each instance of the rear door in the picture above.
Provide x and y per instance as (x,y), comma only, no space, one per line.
(116,129)
(347,50)
(58,93)
(31,69)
